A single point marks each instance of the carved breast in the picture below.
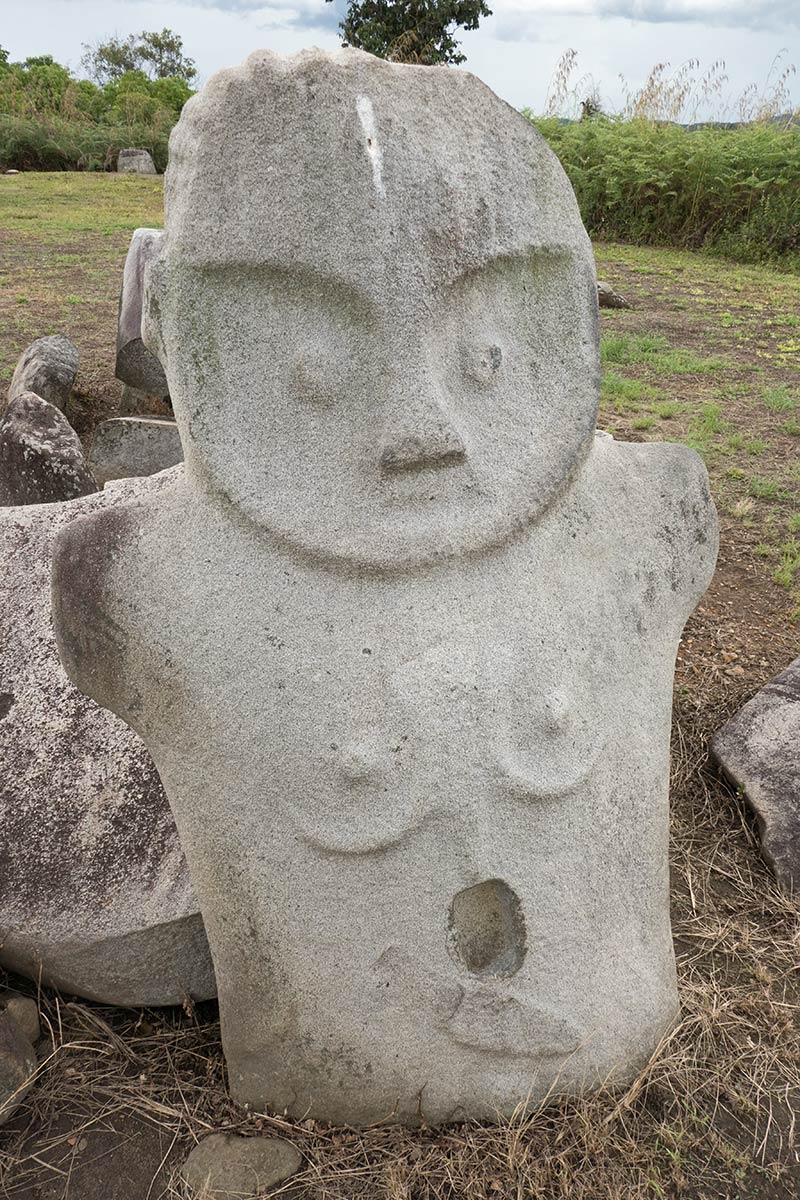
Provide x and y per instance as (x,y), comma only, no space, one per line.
(451,730)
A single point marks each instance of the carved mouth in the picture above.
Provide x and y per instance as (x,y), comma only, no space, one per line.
(490,1018)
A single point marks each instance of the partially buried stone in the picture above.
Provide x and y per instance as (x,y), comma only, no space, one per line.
(608,298)
(17,1066)
(41,457)
(759,750)
(95,896)
(48,367)
(224,1166)
(401,637)
(137,366)
(136,162)
(24,1012)
(125,447)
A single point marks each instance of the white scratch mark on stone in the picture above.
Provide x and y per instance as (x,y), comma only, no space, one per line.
(366,115)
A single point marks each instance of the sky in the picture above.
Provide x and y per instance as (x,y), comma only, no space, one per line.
(516,50)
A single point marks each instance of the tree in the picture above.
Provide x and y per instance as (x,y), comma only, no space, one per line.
(159,55)
(107,61)
(415,31)
(164,52)
(3,57)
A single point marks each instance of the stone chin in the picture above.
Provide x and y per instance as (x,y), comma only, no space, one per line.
(390,535)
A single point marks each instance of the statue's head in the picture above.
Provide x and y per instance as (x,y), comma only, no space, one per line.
(376,305)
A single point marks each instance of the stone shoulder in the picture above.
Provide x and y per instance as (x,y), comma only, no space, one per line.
(90,553)
(653,501)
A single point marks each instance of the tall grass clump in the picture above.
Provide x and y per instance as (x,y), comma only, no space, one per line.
(734,191)
(55,144)
(728,187)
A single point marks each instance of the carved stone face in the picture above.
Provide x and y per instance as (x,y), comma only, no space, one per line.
(362,424)
(387,355)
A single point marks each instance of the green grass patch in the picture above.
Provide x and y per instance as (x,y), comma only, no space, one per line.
(655,353)
(789,563)
(665,410)
(706,426)
(624,394)
(764,489)
(57,206)
(780,398)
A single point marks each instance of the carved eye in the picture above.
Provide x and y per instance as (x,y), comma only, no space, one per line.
(482,364)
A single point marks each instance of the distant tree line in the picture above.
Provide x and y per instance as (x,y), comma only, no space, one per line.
(50,119)
(131,80)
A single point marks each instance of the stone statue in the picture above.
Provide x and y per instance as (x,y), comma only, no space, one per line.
(401,636)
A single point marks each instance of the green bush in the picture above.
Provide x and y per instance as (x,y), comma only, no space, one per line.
(730,191)
(50,121)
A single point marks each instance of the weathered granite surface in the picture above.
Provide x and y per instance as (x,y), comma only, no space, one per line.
(94,889)
(759,749)
(137,366)
(41,457)
(126,447)
(47,367)
(401,637)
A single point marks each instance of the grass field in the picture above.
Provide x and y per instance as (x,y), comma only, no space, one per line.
(709,356)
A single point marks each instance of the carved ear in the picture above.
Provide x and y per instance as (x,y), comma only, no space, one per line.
(152,308)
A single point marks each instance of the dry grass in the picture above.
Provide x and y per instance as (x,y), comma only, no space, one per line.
(686,93)
(713,1115)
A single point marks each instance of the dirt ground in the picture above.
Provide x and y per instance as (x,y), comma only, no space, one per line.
(708,355)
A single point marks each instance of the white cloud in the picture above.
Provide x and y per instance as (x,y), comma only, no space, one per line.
(515,51)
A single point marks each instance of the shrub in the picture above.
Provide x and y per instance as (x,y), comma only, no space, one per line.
(31,144)
(734,191)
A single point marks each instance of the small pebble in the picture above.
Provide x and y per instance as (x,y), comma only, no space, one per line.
(224,1165)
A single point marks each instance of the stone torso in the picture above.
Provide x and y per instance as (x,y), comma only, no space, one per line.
(433,851)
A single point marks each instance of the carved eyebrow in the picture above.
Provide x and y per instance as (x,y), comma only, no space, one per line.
(306,281)
(528,255)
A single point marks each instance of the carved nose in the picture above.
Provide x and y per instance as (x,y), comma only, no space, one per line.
(430,441)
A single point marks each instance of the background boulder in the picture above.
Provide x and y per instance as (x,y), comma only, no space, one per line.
(136,162)
(759,750)
(41,457)
(94,889)
(47,367)
(136,366)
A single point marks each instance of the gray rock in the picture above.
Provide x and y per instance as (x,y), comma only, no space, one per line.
(224,1166)
(17,1066)
(401,636)
(759,750)
(126,447)
(137,366)
(24,1012)
(48,367)
(41,457)
(608,298)
(94,889)
(136,162)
